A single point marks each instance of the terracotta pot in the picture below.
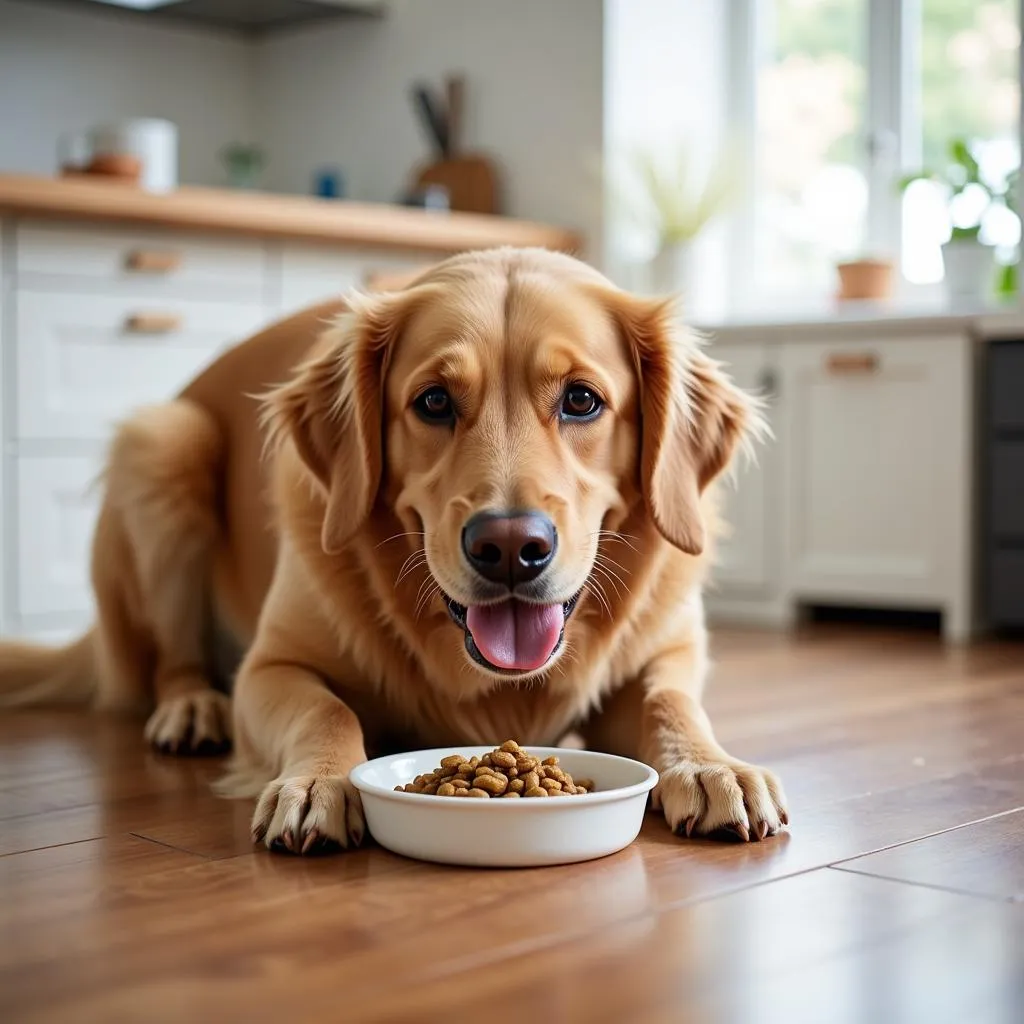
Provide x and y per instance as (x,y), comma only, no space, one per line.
(865,279)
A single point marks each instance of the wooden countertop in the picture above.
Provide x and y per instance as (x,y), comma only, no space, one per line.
(276,216)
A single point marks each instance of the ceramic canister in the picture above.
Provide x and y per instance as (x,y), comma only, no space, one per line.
(153,141)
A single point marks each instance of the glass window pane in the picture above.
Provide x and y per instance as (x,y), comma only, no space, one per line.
(810,190)
(969,90)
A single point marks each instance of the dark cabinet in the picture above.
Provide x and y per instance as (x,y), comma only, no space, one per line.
(1004,498)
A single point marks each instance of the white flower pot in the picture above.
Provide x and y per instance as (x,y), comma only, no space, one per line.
(672,268)
(969,271)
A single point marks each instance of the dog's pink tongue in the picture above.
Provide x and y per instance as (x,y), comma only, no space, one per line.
(514,635)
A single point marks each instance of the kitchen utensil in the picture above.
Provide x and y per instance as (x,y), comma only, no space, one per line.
(433,118)
(471,180)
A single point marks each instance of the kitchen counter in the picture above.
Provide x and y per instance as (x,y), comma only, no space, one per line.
(985,323)
(270,215)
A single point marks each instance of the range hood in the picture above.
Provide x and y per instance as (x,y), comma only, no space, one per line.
(250,16)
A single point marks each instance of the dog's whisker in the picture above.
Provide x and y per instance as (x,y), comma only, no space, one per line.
(610,572)
(428,582)
(611,578)
(422,603)
(611,575)
(411,564)
(397,536)
(598,591)
(414,561)
(606,559)
(410,561)
(608,579)
(622,538)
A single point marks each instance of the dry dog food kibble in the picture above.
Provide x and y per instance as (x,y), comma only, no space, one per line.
(508,772)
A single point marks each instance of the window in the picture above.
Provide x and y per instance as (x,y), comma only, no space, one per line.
(967,87)
(810,187)
(838,98)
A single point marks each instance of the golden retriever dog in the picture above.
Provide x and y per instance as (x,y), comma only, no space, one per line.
(475,508)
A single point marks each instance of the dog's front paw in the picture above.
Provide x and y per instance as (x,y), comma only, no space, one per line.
(197,722)
(309,814)
(706,798)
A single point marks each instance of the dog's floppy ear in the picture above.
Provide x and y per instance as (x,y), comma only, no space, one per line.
(693,417)
(332,410)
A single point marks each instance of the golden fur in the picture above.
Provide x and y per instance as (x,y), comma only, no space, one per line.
(324,561)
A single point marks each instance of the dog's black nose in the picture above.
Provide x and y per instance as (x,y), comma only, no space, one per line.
(509,549)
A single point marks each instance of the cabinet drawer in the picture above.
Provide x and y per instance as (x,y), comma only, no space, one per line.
(57,505)
(1006,588)
(85,361)
(1006,384)
(129,262)
(1007,490)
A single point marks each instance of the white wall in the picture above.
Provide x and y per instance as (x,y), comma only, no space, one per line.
(340,95)
(336,94)
(64,70)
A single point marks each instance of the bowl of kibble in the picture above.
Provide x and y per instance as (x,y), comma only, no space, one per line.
(505,806)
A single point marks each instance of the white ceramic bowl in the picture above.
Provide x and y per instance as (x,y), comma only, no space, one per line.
(505,833)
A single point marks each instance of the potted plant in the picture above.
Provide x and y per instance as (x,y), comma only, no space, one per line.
(668,198)
(969,263)
(243,163)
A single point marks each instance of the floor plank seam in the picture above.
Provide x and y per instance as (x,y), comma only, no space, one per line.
(51,846)
(171,846)
(987,897)
(928,835)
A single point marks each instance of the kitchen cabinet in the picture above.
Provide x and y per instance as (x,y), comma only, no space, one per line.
(113,298)
(877,480)
(746,561)
(1003,443)
(56,513)
(78,356)
(866,497)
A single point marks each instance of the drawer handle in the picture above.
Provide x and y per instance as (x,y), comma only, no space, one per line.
(153,323)
(852,362)
(153,261)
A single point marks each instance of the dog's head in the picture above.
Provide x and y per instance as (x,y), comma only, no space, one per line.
(510,407)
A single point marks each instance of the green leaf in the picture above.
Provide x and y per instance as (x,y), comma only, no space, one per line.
(962,156)
(902,184)
(1007,284)
(965,234)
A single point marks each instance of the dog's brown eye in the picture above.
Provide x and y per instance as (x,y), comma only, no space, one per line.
(434,406)
(580,403)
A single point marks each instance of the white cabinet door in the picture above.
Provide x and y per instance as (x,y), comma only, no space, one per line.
(57,506)
(745,564)
(86,361)
(314,273)
(877,438)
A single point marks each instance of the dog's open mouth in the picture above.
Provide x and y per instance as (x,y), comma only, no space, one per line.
(513,636)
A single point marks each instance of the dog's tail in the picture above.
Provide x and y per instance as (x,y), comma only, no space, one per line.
(32,674)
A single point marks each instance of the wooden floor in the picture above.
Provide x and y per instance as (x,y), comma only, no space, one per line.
(128,892)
